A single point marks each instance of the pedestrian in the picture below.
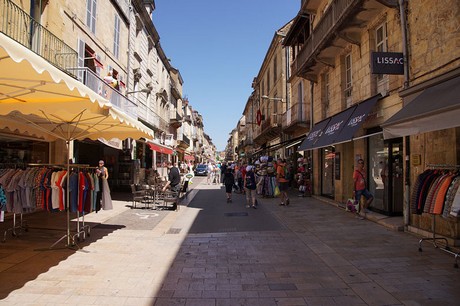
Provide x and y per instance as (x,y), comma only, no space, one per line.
(209,174)
(360,189)
(250,186)
(173,182)
(229,181)
(282,181)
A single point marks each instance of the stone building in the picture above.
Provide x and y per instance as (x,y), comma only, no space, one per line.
(400,122)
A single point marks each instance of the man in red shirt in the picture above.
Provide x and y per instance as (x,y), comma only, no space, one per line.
(360,189)
(283,182)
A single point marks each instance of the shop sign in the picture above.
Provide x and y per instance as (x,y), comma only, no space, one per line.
(387,63)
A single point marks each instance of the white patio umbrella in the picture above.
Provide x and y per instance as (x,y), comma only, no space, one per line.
(38,99)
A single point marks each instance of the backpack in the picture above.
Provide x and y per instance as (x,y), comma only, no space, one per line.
(287,173)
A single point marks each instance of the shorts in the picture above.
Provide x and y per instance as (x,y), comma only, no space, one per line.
(175,188)
(228,188)
(364,192)
(283,186)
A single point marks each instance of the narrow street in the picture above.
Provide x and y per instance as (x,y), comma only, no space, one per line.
(215,253)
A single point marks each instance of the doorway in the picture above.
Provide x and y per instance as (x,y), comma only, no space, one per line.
(385,174)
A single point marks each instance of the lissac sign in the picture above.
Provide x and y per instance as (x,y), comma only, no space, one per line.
(387,63)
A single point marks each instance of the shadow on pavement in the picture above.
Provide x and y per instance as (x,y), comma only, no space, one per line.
(30,252)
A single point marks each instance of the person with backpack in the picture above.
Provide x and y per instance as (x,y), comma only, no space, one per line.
(282,176)
(250,186)
(229,181)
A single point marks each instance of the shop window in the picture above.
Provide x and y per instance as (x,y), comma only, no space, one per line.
(327,171)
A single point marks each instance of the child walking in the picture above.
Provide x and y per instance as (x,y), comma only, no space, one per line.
(229,181)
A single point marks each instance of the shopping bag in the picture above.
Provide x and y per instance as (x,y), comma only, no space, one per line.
(352,205)
(277,191)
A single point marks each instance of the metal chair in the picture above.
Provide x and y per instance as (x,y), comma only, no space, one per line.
(140,196)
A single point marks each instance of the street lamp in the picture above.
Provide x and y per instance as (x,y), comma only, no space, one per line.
(273,99)
(145,90)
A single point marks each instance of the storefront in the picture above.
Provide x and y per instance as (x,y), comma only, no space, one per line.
(429,124)
(344,138)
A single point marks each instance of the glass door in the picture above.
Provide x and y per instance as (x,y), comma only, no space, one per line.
(327,170)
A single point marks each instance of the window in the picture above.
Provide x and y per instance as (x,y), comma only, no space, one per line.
(348,79)
(275,70)
(381,45)
(381,39)
(326,93)
(268,82)
(91,15)
(301,111)
(116,37)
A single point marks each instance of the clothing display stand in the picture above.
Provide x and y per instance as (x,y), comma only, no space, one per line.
(21,227)
(84,230)
(445,247)
(70,238)
(15,229)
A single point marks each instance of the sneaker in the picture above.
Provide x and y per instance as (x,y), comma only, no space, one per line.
(281,204)
(228,200)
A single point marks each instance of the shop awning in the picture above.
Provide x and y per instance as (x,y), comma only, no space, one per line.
(160,148)
(356,120)
(38,98)
(113,143)
(189,157)
(309,142)
(333,128)
(435,108)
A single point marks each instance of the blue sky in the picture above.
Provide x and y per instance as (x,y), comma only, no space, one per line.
(218,47)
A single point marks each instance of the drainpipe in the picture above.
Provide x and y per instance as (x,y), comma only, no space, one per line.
(128,66)
(406,209)
(312,87)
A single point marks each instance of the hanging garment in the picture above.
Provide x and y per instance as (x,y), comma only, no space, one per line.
(106,202)
(450,196)
(441,195)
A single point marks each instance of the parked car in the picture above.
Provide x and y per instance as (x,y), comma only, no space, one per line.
(201,170)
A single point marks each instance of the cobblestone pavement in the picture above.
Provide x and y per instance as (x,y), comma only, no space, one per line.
(210,252)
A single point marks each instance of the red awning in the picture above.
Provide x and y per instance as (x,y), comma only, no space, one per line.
(189,157)
(160,148)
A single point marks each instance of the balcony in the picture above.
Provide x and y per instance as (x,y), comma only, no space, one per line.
(341,24)
(296,119)
(21,27)
(175,120)
(98,85)
(183,141)
(270,129)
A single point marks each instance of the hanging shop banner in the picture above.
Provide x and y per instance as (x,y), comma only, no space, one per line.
(387,63)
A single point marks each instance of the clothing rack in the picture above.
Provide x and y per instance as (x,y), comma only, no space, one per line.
(71,238)
(82,230)
(15,229)
(445,247)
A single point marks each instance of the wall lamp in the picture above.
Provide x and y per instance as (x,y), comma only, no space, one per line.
(273,99)
(145,90)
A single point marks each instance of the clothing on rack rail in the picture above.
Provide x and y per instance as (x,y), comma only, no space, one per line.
(435,191)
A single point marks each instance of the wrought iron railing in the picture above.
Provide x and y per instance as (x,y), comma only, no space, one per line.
(99,86)
(21,27)
(296,114)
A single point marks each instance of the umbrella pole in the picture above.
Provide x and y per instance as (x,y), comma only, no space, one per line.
(67,200)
